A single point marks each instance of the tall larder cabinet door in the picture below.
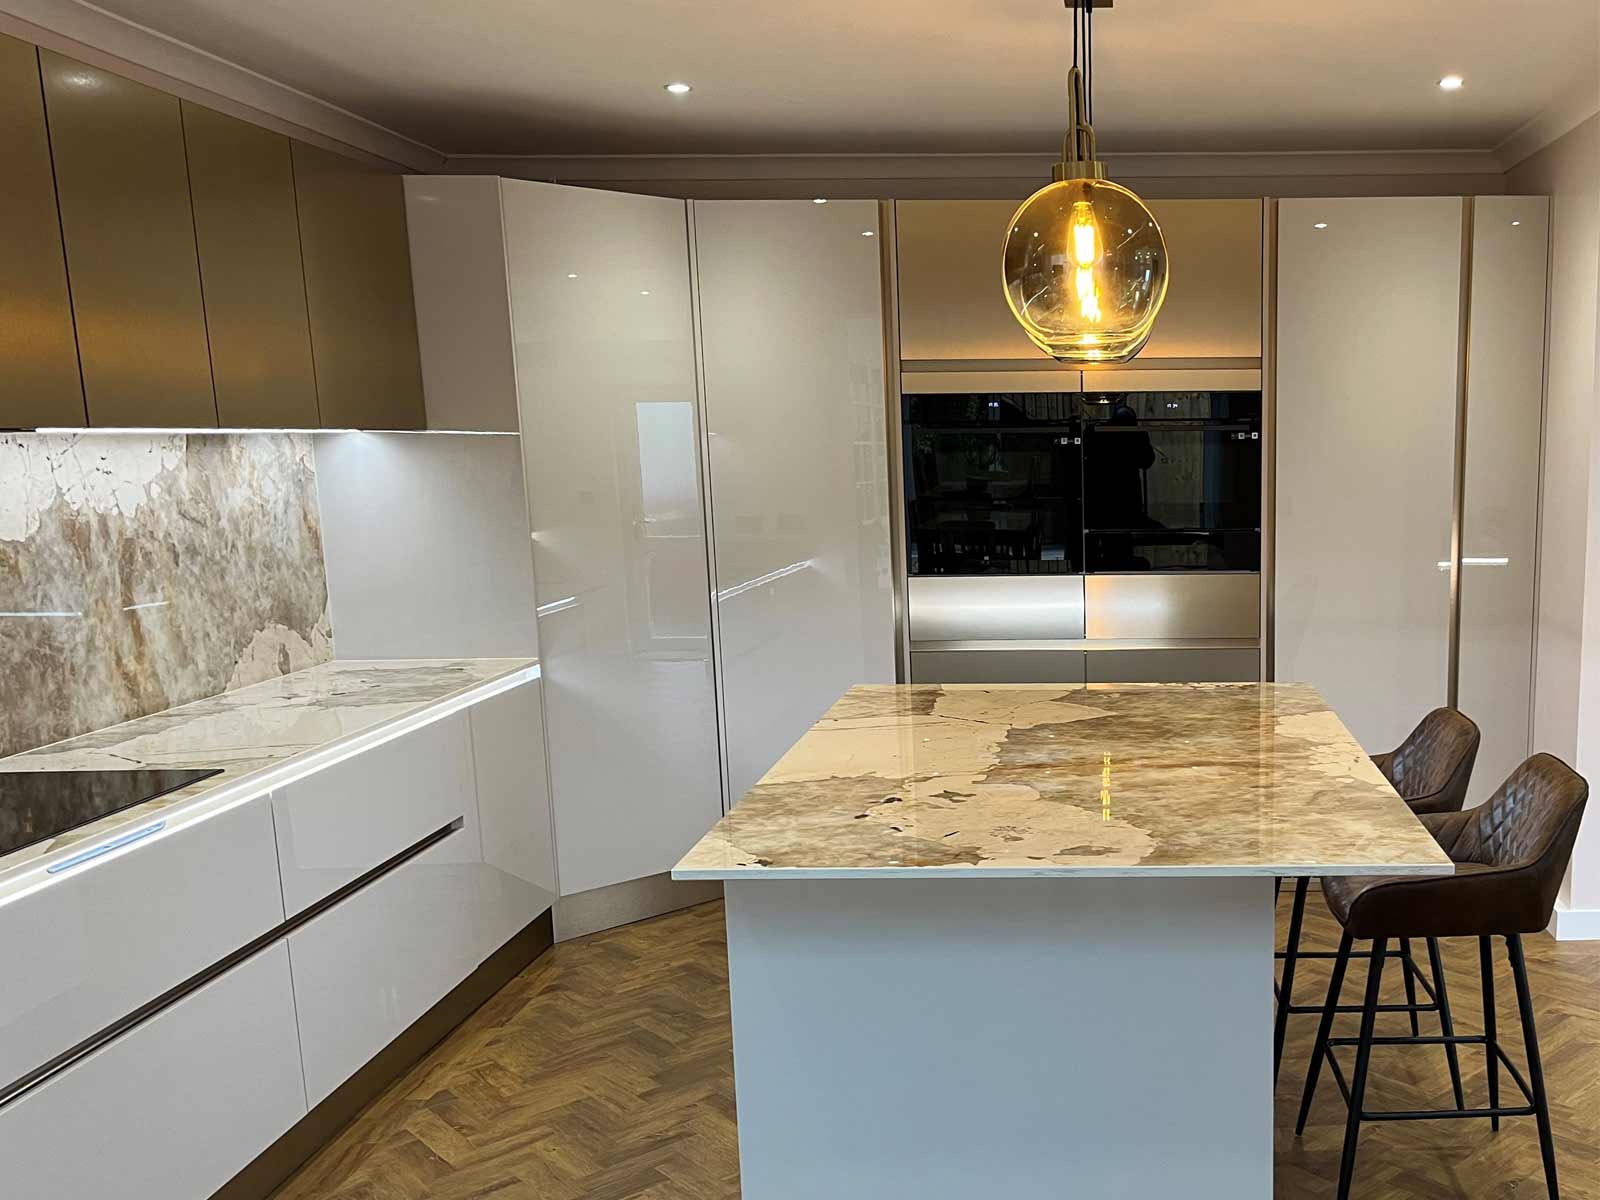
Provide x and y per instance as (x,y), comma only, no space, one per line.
(39,382)
(605,360)
(1499,524)
(123,184)
(791,307)
(1368,319)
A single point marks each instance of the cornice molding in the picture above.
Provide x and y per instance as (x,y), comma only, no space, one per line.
(104,39)
(1580,102)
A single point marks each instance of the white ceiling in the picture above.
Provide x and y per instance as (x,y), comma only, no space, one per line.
(912,76)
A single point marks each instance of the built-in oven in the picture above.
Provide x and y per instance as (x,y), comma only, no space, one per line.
(1172,481)
(1059,536)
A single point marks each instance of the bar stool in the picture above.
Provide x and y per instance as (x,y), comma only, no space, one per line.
(1431,770)
(1511,855)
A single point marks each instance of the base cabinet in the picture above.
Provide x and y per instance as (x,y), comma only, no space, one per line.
(173,1107)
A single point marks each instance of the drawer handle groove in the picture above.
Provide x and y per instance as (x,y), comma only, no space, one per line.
(116,843)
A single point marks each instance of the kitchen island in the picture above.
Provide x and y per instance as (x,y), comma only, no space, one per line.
(1018,940)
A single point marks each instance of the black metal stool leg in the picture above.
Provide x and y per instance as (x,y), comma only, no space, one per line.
(1335,986)
(1486,967)
(1408,968)
(1447,1024)
(1530,1038)
(1286,988)
(1358,1083)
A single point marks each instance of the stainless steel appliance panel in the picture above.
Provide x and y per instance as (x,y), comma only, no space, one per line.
(1172,606)
(997,666)
(971,608)
(1213,665)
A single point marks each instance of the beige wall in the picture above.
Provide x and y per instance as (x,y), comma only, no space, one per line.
(1567,671)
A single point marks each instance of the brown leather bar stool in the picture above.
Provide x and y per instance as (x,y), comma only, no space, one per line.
(1431,770)
(1511,854)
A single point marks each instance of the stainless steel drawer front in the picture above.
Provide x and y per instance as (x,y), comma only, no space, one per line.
(991,608)
(1173,606)
(997,666)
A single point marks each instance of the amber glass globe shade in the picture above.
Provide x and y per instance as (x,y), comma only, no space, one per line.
(1086,271)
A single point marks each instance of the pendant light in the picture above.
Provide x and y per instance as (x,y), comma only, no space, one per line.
(1085,266)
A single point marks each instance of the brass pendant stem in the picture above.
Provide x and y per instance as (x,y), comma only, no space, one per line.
(1078,148)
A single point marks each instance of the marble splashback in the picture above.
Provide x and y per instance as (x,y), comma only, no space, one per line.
(142,572)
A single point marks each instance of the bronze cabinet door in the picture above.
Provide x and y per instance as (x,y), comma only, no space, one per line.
(123,186)
(39,383)
(358,291)
(248,236)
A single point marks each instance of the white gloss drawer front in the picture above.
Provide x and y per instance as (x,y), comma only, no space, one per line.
(173,1108)
(342,822)
(111,934)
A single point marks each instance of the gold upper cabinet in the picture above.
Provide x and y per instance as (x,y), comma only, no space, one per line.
(358,291)
(952,305)
(123,187)
(248,236)
(39,383)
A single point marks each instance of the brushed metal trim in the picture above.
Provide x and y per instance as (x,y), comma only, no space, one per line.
(945,608)
(1059,666)
(1026,365)
(889,260)
(1269,439)
(615,904)
(702,427)
(1084,645)
(1238,664)
(1458,495)
(1162,607)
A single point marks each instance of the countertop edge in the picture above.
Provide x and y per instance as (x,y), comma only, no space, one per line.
(23,878)
(1223,871)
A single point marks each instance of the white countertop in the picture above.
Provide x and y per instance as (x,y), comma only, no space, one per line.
(261,737)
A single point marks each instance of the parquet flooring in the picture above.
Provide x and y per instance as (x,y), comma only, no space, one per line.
(604,1072)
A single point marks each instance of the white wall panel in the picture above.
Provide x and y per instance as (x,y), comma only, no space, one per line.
(1500,519)
(605,361)
(791,318)
(426,543)
(1368,314)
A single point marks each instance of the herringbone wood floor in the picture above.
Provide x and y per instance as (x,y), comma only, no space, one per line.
(604,1072)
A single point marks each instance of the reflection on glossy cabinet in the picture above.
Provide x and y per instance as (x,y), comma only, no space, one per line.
(1368,320)
(605,361)
(358,292)
(123,186)
(39,382)
(952,305)
(791,312)
(1510,238)
(255,296)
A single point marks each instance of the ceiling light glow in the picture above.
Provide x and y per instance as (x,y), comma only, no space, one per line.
(1320,225)
(1452,83)
(866,233)
(678,88)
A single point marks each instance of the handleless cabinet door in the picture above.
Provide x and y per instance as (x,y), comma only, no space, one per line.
(791,312)
(255,293)
(123,186)
(1368,320)
(358,291)
(1505,374)
(603,321)
(39,383)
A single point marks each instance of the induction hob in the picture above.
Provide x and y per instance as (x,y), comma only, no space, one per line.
(37,805)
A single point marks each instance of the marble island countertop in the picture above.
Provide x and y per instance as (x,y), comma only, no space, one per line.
(1103,779)
(259,736)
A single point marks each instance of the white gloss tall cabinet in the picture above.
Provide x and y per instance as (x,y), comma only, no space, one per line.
(1409,398)
(699,391)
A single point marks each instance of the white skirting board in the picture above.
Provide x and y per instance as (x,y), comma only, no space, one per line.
(1575,924)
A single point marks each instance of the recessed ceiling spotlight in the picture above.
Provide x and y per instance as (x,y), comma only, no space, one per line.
(819,200)
(1515,223)
(1452,83)
(1320,225)
(866,233)
(572,274)
(677,88)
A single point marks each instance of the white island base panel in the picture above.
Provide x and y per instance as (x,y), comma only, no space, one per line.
(949,1038)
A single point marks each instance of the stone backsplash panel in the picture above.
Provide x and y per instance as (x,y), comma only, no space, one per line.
(140,572)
